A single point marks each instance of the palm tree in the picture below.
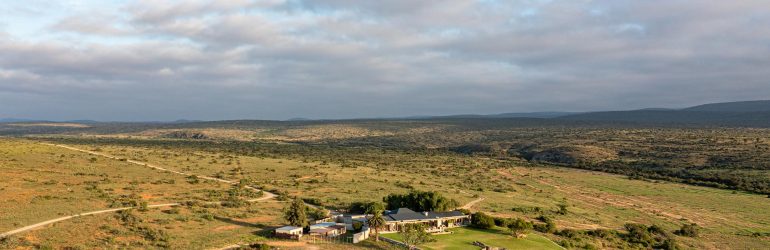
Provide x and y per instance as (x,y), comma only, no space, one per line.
(375,221)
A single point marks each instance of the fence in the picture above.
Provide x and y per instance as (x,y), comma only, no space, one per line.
(315,239)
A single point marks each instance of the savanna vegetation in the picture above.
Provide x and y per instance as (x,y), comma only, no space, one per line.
(648,187)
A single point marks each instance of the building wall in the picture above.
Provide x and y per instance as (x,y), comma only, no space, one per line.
(361,236)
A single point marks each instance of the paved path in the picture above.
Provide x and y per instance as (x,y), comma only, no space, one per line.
(266,195)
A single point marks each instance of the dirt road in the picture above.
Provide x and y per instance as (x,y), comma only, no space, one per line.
(266,195)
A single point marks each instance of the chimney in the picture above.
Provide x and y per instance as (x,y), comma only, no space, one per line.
(425,213)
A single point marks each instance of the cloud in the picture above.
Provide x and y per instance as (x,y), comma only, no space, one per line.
(339,59)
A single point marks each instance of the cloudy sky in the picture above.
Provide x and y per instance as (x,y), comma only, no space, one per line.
(278,59)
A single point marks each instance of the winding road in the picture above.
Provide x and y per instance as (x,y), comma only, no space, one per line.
(266,195)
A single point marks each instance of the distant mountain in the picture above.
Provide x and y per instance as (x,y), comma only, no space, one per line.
(747,106)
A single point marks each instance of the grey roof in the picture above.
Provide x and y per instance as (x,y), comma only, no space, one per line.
(445,214)
(287,228)
(407,214)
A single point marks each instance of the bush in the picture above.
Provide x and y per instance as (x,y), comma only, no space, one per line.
(519,226)
(548,227)
(688,230)
(501,222)
(570,233)
(602,233)
(482,220)
(315,213)
(259,246)
(638,233)
(313,201)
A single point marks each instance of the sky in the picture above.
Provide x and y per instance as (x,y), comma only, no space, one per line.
(152,60)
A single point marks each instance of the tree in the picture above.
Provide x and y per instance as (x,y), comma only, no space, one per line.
(482,220)
(375,221)
(414,234)
(296,213)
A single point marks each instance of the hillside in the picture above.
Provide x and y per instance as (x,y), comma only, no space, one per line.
(678,117)
(746,106)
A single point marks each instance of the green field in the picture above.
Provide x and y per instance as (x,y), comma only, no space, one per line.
(463,238)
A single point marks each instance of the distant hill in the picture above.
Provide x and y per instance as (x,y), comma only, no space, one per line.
(747,106)
(742,114)
(11,120)
(503,115)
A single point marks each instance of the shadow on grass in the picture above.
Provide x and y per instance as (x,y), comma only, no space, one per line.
(239,223)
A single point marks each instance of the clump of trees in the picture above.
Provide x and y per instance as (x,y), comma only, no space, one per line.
(363,207)
(420,201)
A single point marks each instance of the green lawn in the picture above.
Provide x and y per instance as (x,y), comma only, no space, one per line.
(462,238)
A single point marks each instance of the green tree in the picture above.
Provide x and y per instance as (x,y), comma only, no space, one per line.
(296,213)
(375,221)
(414,234)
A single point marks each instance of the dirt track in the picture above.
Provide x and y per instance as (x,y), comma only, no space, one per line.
(266,195)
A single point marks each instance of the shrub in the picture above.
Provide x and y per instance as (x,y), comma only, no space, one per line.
(482,220)
(638,233)
(548,227)
(688,230)
(259,246)
(519,226)
(570,233)
(602,233)
(501,222)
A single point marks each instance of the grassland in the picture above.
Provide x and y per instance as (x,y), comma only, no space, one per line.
(44,182)
(463,238)
(334,178)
